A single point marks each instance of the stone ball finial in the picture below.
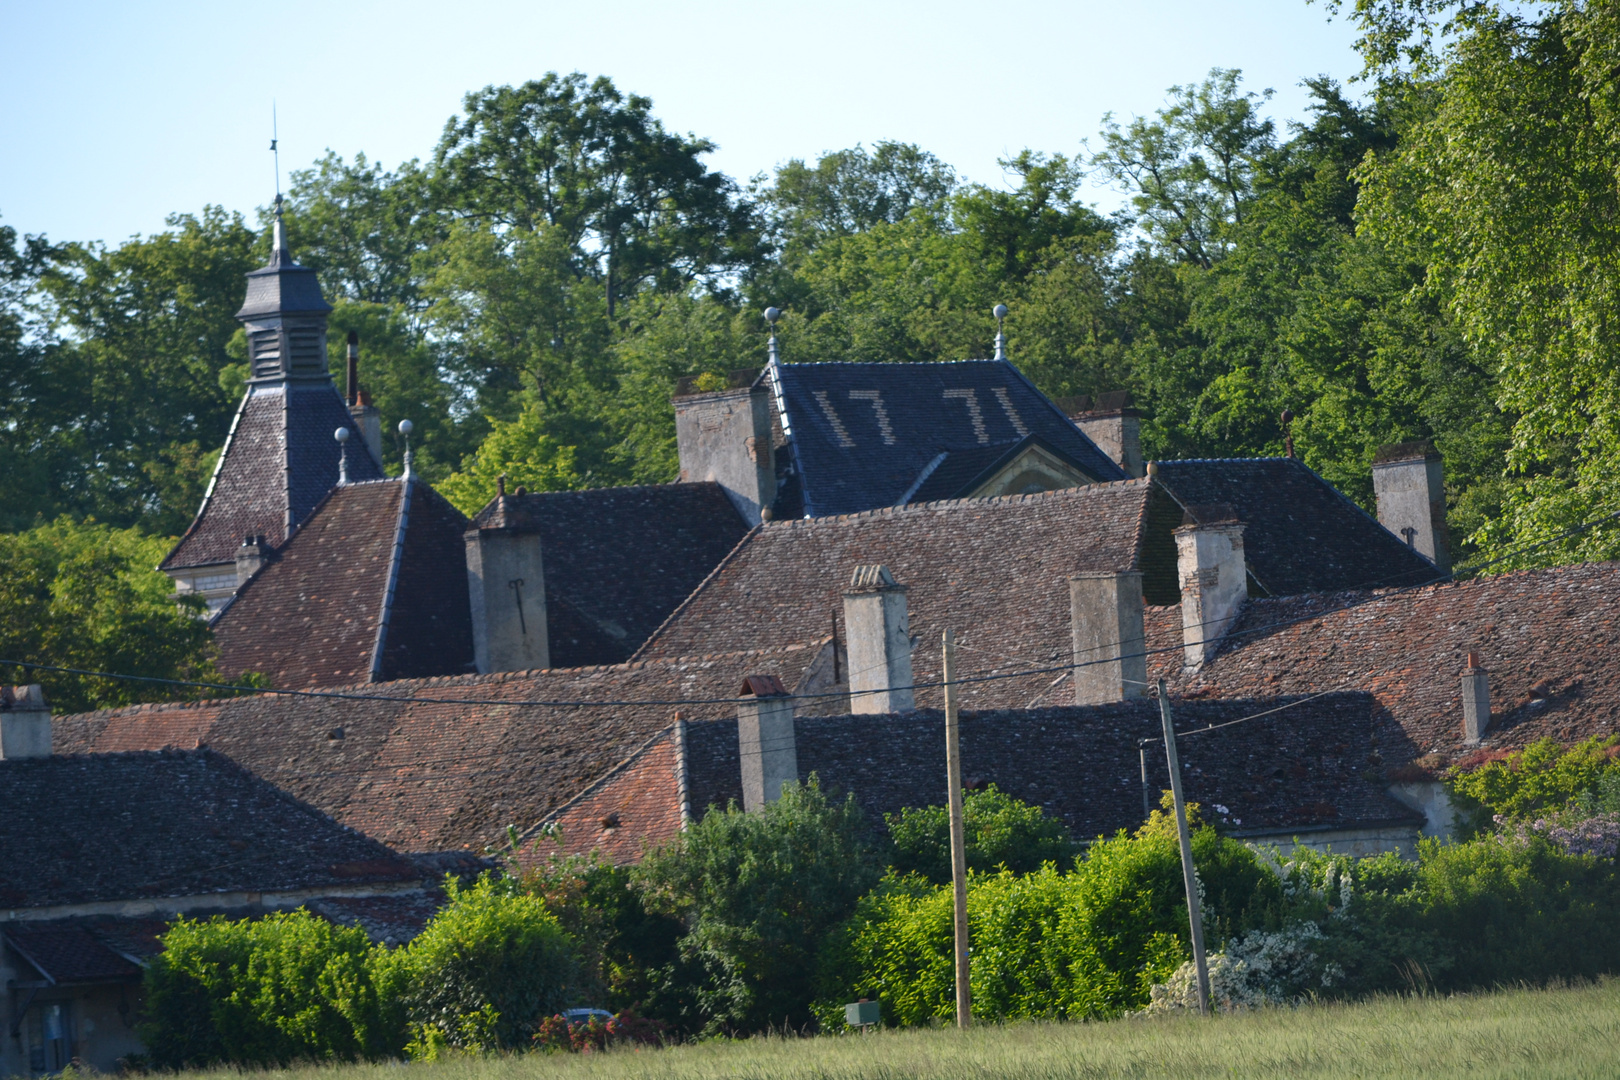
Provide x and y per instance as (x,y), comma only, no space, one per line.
(341,435)
(405,427)
(999,311)
(772,314)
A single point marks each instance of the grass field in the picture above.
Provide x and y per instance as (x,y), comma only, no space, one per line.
(1525,1033)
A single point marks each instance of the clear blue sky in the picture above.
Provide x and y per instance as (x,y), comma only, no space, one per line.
(113,115)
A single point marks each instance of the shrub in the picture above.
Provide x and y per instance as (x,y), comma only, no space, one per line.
(284,988)
(760,892)
(488,968)
(1000,831)
(1542,778)
(1088,943)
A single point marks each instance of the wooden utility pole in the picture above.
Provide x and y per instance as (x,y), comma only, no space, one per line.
(1195,910)
(953,772)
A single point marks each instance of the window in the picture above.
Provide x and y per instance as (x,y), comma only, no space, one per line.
(50,1040)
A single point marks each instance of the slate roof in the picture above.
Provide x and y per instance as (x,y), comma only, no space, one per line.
(619,560)
(1300,533)
(995,570)
(90,828)
(279,461)
(1550,640)
(1308,769)
(419,768)
(863,433)
(69,952)
(314,614)
(956,473)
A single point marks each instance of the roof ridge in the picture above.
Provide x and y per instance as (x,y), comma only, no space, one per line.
(1080,491)
(601,781)
(395,557)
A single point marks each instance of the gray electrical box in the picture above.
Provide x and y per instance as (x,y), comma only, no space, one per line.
(861,1013)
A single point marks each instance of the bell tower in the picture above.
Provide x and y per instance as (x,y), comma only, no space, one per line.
(285,317)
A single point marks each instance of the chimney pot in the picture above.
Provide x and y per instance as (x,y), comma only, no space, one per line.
(252,555)
(1114,427)
(765,740)
(25,723)
(877,635)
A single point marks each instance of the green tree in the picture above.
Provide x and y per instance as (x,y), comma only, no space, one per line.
(519,450)
(760,891)
(86,596)
(1001,832)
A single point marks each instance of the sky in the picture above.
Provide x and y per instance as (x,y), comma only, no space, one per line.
(116,114)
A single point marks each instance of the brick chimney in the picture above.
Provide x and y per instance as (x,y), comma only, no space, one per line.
(878,642)
(765,740)
(506,588)
(25,723)
(725,436)
(1112,424)
(1476,700)
(253,554)
(1106,612)
(366,416)
(1409,481)
(1214,577)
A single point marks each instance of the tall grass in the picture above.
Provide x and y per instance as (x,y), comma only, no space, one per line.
(1571,1032)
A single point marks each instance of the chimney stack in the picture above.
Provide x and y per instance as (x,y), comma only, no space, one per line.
(1106,613)
(25,723)
(1476,700)
(765,741)
(1409,482)
(725,436)
(1214,577)
(506,587)
(878,642)
(1112,424)
(253,554)
(366,416)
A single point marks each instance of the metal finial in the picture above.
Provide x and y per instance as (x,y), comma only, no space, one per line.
(772,350)
(1000,312)
(342,437)
(410,458)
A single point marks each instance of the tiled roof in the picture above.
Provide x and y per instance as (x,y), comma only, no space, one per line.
(1302,770)
(863,433)
(280,459)
(995,570)
(1549,639)
(1300,534)
(618,560)
(312,615)
(67,952)
(420,772)
(105,827)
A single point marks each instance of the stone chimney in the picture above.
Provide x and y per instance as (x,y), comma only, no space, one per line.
(25,723)
(506,588)
(725,436)
(765,740)
(1106,612)
(1214,577)
(1476,700)
(253,554)
(1112,424)
(1409,481)
(878,643)
(366,416)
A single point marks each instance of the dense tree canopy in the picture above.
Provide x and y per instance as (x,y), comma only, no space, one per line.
(1430,259)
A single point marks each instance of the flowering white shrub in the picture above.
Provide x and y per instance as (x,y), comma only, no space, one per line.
(1259,968)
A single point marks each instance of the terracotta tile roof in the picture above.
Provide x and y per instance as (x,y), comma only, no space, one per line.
(1300,533)
(1302,770)
(863,433)
(619,560)
(996,570)
(1549,638)
(279,461)
(102,827)
(422,772)
(312,615)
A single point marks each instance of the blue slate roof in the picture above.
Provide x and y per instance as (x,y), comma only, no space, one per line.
(864,433)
